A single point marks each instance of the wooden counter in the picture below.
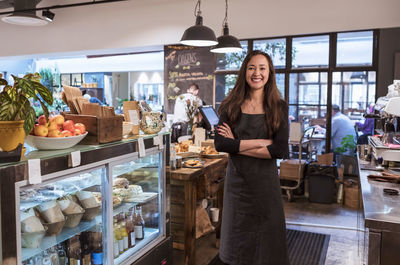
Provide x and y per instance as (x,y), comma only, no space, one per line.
(188,185)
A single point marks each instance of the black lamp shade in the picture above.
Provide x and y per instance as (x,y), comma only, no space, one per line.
(199,35)
(227,43)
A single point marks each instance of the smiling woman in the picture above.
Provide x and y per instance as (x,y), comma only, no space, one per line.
(253,129)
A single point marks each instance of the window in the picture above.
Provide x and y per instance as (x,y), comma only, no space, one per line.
(354,48)
(310,52)
(308,95)
(230,61)
(224,84)
(354,92)
(276,48)
(152,93)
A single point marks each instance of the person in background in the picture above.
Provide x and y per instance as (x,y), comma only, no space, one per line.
(253,129)
(92,99)
(341,127)
(366,127)
(181,119)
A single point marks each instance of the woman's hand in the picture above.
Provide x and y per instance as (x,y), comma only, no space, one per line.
(225,131)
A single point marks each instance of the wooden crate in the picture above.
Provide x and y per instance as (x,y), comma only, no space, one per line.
(100,130)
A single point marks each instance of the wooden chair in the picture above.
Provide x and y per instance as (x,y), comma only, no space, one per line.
(293,169)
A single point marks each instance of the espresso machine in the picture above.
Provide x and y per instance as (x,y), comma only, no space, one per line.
(387,144)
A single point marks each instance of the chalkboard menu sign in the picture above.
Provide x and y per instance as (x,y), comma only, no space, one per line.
(184,65)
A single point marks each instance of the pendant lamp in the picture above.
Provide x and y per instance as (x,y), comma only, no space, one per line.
(226,43)
(24,18)
(198,35)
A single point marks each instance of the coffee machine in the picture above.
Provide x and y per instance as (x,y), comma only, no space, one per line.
(387,145)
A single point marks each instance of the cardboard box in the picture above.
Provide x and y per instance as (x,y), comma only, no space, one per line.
(325,159)
(289,169)
(100,130)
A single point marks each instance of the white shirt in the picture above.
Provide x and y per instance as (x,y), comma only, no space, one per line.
(180,110)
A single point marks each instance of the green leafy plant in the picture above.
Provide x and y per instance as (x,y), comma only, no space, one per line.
(348,143)
(15,104)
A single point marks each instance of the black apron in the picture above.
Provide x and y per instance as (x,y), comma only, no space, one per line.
(253,222)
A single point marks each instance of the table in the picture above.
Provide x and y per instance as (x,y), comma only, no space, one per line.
(187,186)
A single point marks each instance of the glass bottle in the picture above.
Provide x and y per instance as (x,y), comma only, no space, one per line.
(124,235)
(53,256)
(115,244)
(62,255)
(97,254)
(120,239)
(130,229)
(86,259)
(139,223)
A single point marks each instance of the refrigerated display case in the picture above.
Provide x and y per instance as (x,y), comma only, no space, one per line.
(111,209)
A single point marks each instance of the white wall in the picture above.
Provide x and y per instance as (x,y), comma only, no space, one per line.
(141,23)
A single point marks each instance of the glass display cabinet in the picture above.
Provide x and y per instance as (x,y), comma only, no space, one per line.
(109,210)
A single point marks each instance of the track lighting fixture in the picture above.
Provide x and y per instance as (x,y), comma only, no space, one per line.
(48,15)
(226,43)
(198,35)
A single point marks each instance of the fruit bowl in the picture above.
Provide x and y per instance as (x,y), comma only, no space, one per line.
(53,143)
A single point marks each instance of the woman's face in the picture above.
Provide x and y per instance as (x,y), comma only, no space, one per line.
(257,72)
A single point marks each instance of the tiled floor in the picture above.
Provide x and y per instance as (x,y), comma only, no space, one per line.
(345,226)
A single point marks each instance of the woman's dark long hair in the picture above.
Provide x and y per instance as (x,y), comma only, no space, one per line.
(273,104)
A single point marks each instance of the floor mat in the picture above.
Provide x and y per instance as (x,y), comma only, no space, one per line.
(305,248)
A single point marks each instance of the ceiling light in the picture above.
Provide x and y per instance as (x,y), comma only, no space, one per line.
(48,15)
(226,43)
(199,35)
(24,19)
(24,14)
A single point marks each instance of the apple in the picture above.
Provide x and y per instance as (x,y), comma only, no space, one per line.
(54,133)
(69,126)
(78,132)
(53,125)
(66,133)
(59,119)
(81,127)
(42,120)
(41,130)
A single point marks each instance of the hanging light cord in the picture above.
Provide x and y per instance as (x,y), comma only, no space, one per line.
(197,12)
(225,22)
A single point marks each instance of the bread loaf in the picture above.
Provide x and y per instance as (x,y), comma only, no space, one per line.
(50,212)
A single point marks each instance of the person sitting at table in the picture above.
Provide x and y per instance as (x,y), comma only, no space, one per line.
(366,127)
(341,127)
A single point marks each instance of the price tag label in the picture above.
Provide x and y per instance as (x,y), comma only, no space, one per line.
(75,158)
(161,142)
(142,150)
(156,140)
(34,174)
(134,117)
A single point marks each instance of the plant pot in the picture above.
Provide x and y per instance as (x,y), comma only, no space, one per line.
(11,134)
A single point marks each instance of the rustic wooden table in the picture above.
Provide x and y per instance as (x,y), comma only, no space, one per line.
(187,186)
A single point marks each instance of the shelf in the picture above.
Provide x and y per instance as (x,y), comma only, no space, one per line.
(66,233)
(121,169)
(149,233)
(64,187)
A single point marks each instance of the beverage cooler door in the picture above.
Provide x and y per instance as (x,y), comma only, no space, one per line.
(62,220)
(138,206)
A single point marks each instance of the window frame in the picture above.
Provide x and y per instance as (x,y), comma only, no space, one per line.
(332,67)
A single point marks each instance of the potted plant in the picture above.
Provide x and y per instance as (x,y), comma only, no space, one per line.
(345,155)
(17,116)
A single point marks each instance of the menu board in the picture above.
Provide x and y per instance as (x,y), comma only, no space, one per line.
(184,65)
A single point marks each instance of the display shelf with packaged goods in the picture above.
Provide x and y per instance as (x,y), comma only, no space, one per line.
(60,180)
